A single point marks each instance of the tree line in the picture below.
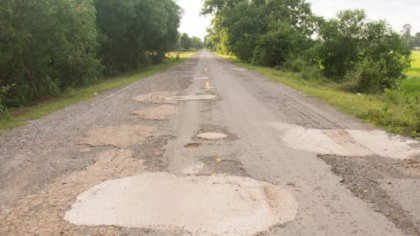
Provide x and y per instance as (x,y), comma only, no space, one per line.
(49,46)
(363,55)
(412,41)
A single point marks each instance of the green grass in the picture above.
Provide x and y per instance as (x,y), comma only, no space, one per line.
(388,111)
(412,84)
(21,115)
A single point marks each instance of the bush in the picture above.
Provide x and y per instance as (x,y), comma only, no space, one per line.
(311,73)
(295,65)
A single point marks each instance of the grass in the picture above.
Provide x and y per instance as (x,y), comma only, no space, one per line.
(20,116)
(381,109)
(412,84)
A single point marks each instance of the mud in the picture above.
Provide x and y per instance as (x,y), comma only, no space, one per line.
(207,206)
(157,113)
(380,182)
(118,136)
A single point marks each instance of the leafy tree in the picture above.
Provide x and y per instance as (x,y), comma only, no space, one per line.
(45,47)
(135,31)
(185,41)
(351,39)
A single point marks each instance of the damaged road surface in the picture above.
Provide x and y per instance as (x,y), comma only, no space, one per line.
(207,149)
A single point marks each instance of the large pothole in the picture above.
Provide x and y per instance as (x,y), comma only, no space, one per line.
(204,205)
(212,136)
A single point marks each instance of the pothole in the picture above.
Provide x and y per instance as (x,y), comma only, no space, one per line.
(118,136)
(191,97)
(219,165)
(157,113)
(155,97)
(212,136)
(201,205)
(192,145)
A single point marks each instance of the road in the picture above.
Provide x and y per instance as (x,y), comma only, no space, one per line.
(206,148)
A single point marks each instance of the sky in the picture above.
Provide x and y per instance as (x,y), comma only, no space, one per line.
(396,12)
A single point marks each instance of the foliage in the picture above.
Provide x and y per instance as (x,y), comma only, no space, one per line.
(46,47)
(264,32)
(351,42)
(135,31)
(50,46)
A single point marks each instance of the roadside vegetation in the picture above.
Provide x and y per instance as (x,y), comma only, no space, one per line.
(57,49)
(18,116)
(359,65)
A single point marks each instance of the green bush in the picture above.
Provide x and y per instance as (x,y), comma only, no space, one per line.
(295,65)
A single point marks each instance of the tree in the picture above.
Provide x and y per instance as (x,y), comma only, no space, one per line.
(135,31)
(46,46)
(406,32)
(185,41)
(351,42)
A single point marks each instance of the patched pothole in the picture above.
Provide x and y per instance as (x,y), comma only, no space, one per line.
(212,136)
(219,165)
(191,97)
(155,97)
(200,205)
(157,113)
(118,136)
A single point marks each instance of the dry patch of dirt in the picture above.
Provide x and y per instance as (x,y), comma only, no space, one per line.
(43,213)
(157,113)
(118,136)
(155,97)
(199,205)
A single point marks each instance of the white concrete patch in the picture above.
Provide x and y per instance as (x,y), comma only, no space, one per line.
(347,142)
(203,206)
(191,97)
(212,136)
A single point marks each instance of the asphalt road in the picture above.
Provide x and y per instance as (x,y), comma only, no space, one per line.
(206,148)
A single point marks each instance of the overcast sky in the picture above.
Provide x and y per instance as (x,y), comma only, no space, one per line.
(396,12)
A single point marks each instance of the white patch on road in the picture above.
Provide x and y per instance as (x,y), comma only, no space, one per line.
(212,136)
(347,142)
(204,205)
(191,97)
